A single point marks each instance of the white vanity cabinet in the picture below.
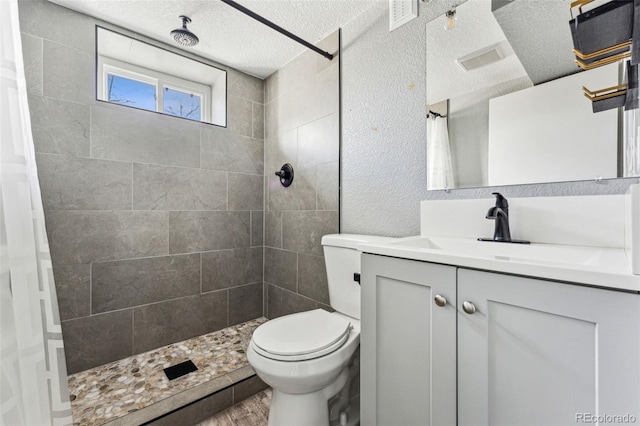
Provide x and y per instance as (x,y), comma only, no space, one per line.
(407,342)
(527,351)
(538,352)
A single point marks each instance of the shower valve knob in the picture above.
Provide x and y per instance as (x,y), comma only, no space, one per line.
(285,174)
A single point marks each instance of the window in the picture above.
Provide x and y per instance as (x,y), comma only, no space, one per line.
(128,91)
(134,86)
(139,75)
(182,104)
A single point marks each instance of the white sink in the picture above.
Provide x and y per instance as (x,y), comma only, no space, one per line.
(599,266)
(508,251)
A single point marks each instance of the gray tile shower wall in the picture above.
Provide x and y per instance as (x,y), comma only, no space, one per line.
(155,223)
(302,116)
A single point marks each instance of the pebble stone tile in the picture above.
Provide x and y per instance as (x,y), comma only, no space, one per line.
(105,393)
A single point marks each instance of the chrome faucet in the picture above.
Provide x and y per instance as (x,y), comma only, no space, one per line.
(500,213)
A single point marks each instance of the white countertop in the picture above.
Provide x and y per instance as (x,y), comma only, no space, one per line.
(596,266)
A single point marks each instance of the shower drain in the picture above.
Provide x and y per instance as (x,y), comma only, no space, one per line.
(180,370)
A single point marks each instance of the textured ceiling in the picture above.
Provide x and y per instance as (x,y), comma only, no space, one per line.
(475,29)
(226,35)
(538,32)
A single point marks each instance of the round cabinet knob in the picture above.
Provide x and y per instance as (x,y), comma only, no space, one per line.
(469,307)
(440,300)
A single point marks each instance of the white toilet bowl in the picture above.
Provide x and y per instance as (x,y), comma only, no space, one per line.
(306,357)
(304,377)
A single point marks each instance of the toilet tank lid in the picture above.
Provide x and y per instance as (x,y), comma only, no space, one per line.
(352,241)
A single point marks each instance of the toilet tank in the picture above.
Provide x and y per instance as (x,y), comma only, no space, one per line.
(342,260)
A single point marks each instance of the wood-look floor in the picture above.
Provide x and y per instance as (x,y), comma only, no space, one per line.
(253,411)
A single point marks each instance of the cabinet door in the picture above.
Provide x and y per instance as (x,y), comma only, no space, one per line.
(542,353)
(408,369)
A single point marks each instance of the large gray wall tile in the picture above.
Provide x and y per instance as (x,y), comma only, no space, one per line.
(50,21)
(126,283)
(301,195)
(68,73)
(74,183)
(258,121)
(246,192)
(312,277)
(272,111)
(97,340)
(180,319)
(230,268)
(328,186)
(177,188)
(265,298)
(281,268)
(283,302)
(222,150)
(93,236)
(239,116)
(303,230)
(245,303)
(257,228)
(273,228)
(299,70)
(318,141)
(296,107)
(271,87)
(281,149)
(59,127)
(73,285)
(245,86)
(204,231)
(32,52)
(128,134)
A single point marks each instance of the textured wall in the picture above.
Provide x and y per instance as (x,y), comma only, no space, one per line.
(383,129)
(302,128)
(155,223)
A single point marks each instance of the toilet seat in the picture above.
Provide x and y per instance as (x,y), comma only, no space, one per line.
(301,336)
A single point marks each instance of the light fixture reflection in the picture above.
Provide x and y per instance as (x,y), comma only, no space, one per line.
(451,19)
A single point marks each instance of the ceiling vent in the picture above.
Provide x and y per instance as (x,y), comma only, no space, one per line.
(485,56)
(401,12)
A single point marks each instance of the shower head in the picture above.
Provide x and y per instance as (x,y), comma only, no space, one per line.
(182,35)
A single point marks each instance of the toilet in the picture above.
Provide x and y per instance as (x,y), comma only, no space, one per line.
(307,357)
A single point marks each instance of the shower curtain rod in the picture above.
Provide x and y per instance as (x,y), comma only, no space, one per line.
(281,30)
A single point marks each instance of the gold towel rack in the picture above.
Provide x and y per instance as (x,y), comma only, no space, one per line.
(604,51)
(605,61)
(609,92)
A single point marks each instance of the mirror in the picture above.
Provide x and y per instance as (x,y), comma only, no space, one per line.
(505,95)
(132,73)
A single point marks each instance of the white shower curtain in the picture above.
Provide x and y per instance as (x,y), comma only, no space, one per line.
(439,169)
(631,145)
(33,373)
